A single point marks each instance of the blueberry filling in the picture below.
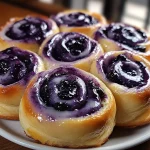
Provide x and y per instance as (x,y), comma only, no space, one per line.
(75,19)
(4,66)
(76,45)
(129,37)
(66,93)
(68,90)
(68,47)
(125,71)
(29,28)
(15,65)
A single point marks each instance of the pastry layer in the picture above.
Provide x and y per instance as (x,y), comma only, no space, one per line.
(130,84)
(60,130)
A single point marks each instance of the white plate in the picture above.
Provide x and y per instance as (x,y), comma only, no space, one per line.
(120,139)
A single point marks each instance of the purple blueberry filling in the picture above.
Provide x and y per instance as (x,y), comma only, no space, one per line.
(66,93)
(77,19)
(68,47)
(127,36)
(125,71)
(29,29)
(15,65)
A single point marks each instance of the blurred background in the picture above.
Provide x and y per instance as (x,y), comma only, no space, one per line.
(136,12)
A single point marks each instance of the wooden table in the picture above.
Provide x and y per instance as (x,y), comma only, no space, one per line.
(8,11)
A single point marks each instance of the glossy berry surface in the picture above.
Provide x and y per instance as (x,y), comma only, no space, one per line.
(127,36)
(29,29)
(15,65)
(125,71)
(68,47)
(77,19)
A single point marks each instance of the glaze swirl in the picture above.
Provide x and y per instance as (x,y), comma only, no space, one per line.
(77,19)
(65,93)
(127,37)
(124,70)
(28,29)
(69,47)
(127,75)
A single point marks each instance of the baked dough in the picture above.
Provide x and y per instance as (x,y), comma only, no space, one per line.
(81,21)
(119,36)
(70,48)
(26,33)
(67,107)
(127,75)
(17,67)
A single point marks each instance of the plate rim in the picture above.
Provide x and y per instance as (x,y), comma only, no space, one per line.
(32,145)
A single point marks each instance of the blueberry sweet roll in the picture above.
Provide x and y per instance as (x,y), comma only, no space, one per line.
(79,21)
(69,48)
(119,36)
(26,33)
(67,107)
(127,75)
(17,67)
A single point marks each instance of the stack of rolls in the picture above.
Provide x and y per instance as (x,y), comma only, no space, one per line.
(72,77)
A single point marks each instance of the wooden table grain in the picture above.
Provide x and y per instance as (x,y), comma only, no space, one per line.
(8,11)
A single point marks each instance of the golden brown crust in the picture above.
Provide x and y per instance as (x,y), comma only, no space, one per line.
(90,131)
(56,145)
(97,145)
(6,42)
(9,91)
(133,106)
(88,30)
(10,97)
(143,119)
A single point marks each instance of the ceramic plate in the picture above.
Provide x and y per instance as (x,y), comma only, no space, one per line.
(120,138)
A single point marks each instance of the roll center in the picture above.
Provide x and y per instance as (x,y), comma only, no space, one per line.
(67,89)
(76,45)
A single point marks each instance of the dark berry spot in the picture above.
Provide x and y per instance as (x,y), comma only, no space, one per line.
(76,45)
(4,66)
(61,106)
(67,90)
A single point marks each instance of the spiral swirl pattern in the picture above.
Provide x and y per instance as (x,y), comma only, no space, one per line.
(65,93)
(15,65)
(128,37)
(77,19)
(68,47)
(124,70)
(29,29)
